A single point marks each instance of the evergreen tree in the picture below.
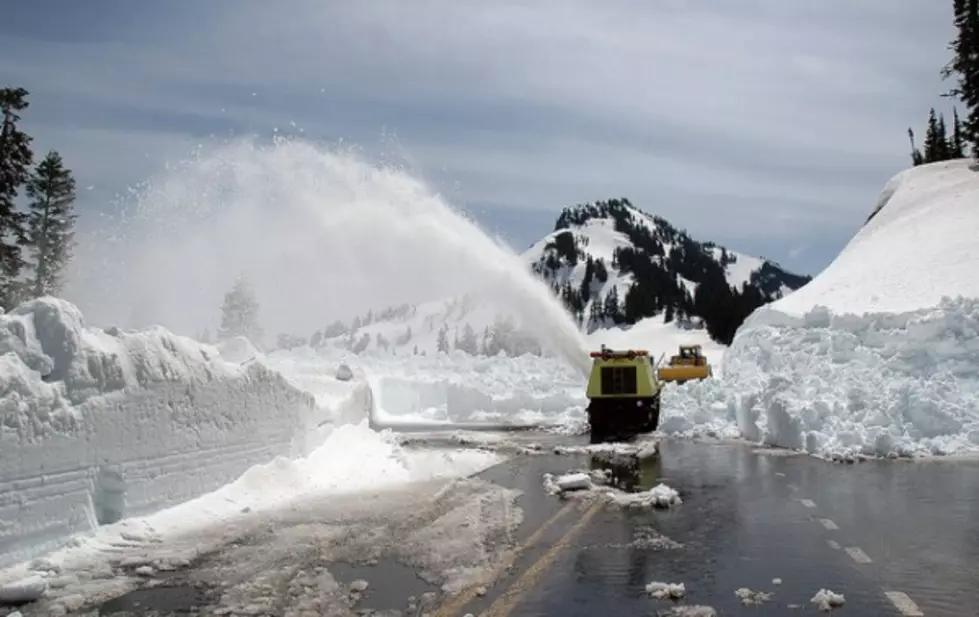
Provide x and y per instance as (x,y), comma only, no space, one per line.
(957,146)
(469,343)
(50,224)
(443,339)
(239,313)
(15,162)
(964,66)
(934,139)
(612,310)
(917,158)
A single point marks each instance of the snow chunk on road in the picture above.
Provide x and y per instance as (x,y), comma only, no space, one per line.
(827,600)
(593,483)
(573,482)
(661,591)
(749,597)
(660,496)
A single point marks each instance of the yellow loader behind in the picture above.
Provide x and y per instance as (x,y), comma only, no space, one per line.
(689,363)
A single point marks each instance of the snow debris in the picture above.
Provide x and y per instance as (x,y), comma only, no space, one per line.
(359,586)
(749,597)
(592,484)
(691,610)
(24,590)
(647,538)
(660,496)
(662,591)
(826,600)
(573,482)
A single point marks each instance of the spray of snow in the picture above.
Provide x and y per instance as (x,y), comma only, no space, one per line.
(320,234)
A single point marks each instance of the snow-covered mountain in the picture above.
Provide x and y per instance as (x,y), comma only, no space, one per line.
(613,266)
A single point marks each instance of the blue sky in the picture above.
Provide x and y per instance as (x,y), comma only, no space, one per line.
(766,125)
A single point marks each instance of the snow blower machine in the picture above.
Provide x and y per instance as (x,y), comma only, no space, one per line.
(689,363)
(623,395)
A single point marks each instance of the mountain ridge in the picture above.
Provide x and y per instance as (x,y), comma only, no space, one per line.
(614,264)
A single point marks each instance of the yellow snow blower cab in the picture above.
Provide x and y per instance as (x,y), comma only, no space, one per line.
(689,363)
(623,395)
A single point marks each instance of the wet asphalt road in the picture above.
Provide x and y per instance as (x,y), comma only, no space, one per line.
(871,531)
(880,533)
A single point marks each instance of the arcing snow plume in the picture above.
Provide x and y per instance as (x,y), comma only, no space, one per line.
(879,354)
(320,235)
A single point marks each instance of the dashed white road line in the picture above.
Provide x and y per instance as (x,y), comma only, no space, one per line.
(828,524)
(857,554)
(901,601)
(904,604)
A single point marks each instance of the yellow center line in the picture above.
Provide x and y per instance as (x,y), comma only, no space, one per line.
(453,607)
(505,604)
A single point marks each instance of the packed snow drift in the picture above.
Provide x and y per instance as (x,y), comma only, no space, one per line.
(97,425)
(879,354)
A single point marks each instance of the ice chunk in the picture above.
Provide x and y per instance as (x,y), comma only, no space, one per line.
(24,590)
(827,600)
(662,591)
(573,482)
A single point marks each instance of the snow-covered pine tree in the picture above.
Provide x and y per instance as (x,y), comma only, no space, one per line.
(15,162)
(50,223)
(239,313)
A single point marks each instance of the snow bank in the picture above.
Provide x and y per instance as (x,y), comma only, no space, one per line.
(353,458)
(457,387)
(879,354)
(98,425)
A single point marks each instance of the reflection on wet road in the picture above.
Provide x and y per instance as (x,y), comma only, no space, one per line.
(895,538)
(740,526)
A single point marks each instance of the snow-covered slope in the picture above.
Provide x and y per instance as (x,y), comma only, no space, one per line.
(96,425)
(470,323)
(868,358)
(921,244)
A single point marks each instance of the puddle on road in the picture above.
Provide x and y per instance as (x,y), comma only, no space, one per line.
(390,584)
(177,600)
(629,472)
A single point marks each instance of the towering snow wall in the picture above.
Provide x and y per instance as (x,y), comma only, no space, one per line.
(97,425)
(879,354)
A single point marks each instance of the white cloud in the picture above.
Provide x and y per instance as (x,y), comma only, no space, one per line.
(738,118)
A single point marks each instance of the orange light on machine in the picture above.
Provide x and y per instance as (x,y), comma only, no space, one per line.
(608,353)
